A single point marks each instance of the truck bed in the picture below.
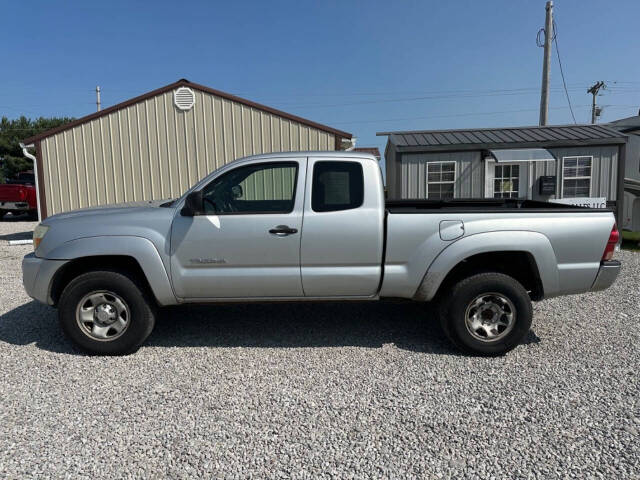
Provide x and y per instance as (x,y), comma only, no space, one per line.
(483,205)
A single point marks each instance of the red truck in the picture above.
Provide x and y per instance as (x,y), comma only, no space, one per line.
(19,196)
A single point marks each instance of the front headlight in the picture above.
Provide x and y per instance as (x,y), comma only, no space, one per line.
(38,234)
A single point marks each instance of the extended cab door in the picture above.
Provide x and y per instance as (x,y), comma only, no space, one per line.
(343,234)
(247,244)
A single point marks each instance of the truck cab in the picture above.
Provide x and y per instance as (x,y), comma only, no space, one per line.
(286,226)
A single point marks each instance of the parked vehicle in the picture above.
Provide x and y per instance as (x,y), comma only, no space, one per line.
(18,196)
(314,226)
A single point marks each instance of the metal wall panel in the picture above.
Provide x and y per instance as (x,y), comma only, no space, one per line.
(469,175)
(152,150)
(604,168)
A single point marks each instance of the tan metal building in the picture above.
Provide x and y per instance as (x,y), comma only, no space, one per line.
(157,145)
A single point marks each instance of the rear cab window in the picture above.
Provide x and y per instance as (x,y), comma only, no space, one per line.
(337,186)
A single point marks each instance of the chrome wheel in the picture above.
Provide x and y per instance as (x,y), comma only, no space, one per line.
(490,317)
(102,315)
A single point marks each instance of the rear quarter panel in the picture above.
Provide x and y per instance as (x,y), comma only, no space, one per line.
(567,247)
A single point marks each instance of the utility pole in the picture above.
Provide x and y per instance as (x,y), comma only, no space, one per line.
(593,90)
(98,98)
(546,63)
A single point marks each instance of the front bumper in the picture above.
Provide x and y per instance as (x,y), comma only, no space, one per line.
(607,274)
(37,275)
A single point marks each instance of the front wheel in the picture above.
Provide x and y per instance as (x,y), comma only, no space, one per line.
(106,313)
(487,314)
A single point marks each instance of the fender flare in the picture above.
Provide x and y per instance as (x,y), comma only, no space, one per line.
(534,243)
(139,248)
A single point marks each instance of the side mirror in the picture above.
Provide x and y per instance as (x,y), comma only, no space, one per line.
(193,205)
(236,191)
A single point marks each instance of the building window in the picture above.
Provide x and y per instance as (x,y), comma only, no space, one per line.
(576,176)
(506,181)
(441,177)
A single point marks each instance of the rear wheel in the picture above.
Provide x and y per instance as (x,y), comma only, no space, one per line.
(487,314)
(106,312)
(3,213)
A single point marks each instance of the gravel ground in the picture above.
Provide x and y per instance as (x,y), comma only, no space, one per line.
(324,390)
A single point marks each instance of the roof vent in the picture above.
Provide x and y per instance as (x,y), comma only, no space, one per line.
(184,98)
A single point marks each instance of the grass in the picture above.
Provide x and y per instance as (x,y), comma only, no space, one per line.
(631,240)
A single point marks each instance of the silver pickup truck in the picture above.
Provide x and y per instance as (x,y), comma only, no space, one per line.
(310,227)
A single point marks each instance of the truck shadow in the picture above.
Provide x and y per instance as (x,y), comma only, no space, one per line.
(17,236)
(18,218)
(406,325)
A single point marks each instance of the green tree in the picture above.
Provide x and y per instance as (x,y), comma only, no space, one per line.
(12,132)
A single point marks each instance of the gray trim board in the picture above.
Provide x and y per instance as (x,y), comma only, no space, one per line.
(620,192)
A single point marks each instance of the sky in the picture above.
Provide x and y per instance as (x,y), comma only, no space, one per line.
(359,66)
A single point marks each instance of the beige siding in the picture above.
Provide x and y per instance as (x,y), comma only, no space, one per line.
(152,150)
(271,184)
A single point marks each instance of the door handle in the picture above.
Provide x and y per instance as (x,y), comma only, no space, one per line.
(283,230)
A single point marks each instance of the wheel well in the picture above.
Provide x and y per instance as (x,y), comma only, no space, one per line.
(519,265)
(78,266)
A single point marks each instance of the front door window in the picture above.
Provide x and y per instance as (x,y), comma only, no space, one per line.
(261,188)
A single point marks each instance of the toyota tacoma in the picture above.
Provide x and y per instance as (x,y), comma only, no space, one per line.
(313,227)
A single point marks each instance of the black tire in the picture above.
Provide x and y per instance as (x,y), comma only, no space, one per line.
(476,290)
(3,213)
(140,311)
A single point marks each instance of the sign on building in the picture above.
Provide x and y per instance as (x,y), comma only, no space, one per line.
(591,202)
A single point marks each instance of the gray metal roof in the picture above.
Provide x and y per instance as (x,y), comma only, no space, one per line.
(626,124)
(511,137)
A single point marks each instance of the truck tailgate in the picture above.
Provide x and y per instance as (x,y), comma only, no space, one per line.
(13,193)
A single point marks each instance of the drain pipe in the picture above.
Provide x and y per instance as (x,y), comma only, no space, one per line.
(28,155)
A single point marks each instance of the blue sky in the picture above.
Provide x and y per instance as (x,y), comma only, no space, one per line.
(358,66)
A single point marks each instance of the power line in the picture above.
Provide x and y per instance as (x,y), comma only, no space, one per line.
(422,118)
(464,115)
(435,92)
(431,96)
(468,114)
(555,37)
(405,99)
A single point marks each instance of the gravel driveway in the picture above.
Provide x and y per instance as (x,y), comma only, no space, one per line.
(323,390)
